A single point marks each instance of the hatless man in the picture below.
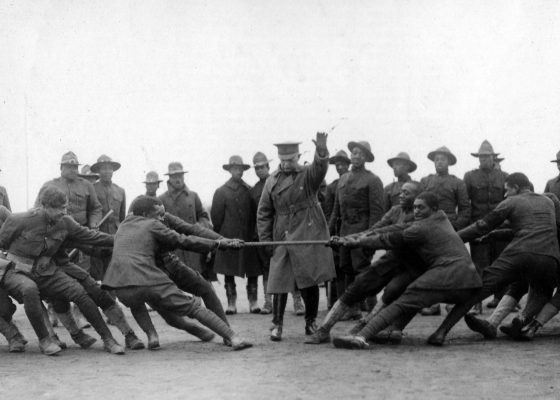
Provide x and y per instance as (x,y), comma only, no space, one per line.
(452,196)
(233,215)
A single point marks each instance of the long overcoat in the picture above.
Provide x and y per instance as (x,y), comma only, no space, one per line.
(233,216)
(289,210)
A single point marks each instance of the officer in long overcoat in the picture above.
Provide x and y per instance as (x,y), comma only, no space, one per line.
(289,210)
(233,215)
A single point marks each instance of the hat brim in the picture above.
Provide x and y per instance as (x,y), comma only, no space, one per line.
(484,154)
(88,176)
(411,164)
(69,163)
(284,157)
(555,161)
(452,158)
(369,155)
(335,159)
(152,182)
(175,173)
(227,167)
(95,167)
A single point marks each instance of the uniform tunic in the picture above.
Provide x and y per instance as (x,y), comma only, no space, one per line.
(553,186)
(233,215)
(392,191)
(452,195)
(186,205)
(83,204)
(263,256)
(112,197)
(289,210)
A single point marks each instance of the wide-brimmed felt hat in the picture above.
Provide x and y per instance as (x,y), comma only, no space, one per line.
(499,159)
(557,158)
(175,167)
(403,157)
(69,158)
(287,150)
(340,156)
(236,161)
(152,177)
(260,159)
(86,172)
(366,148)
(485,149)
(443,150)
(105,159)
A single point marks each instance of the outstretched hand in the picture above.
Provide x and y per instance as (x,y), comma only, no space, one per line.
(321,143)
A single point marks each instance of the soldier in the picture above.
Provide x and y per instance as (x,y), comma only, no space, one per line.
(289,210)
(341,163)
(359,205)
(486,189)
(83,206)
(233,215)
(88,175)
(179,200)
(402,166)
(152,183)
(452,195)
(112,197)
(553,185)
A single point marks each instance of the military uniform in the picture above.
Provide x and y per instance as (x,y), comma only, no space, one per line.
(392,191)
(452,195)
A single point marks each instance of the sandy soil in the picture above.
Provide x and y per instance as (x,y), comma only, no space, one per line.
(468,367)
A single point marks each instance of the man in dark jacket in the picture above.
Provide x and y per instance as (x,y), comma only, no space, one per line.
(532,254)
(450,277)
(359,205)
(233,215)
(136,278)
(402,167)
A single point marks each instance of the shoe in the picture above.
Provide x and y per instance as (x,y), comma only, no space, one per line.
(528,332)
(433,310)
(513,330)
(310,327)
(319,336)
(476,310)
(111,346)
(83,339)
(276,333)
(436,339)
(266,309)
(59,342)
(15,345)
(132,342)
(153,341)
(396,336)
(350,342)
(48,347)
(481,326)
(238,343)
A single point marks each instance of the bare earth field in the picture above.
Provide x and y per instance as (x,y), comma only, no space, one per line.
(185,368)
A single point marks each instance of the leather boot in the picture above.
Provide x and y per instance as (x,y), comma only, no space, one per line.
(299,308)
(433,310)
(267,306)
(310,326)
(481,326)
(350,342)
(459,310)
(252,296)
(116,315)
(476,310)
(278,308)
(10,331)
(111,346)
(545,315)
(238,343)
(321,335)
(528,332)
(144,321)
(513,330)
(81,321)
(231,294)
(78,336)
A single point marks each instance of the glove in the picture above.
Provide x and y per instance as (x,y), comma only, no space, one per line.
(321,143)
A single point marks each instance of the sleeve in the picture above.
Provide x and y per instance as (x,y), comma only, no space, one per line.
(463,206)
(177,224)
(217,211)
(201,215)
(386,220)
(491,221)
(329,202)
(265,214)
(376,207)
(9,231)
(94,208)
(169,238)
(80,235)
(390,240)
(317,172)
(335,214)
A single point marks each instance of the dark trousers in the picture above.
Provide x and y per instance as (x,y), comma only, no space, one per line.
(62,289)
(191,281)
(310,296)
(101,297)
(26,291)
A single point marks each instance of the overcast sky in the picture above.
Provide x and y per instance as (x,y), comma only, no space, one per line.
(149,82)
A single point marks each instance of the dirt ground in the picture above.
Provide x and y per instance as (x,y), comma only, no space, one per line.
(467,367)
